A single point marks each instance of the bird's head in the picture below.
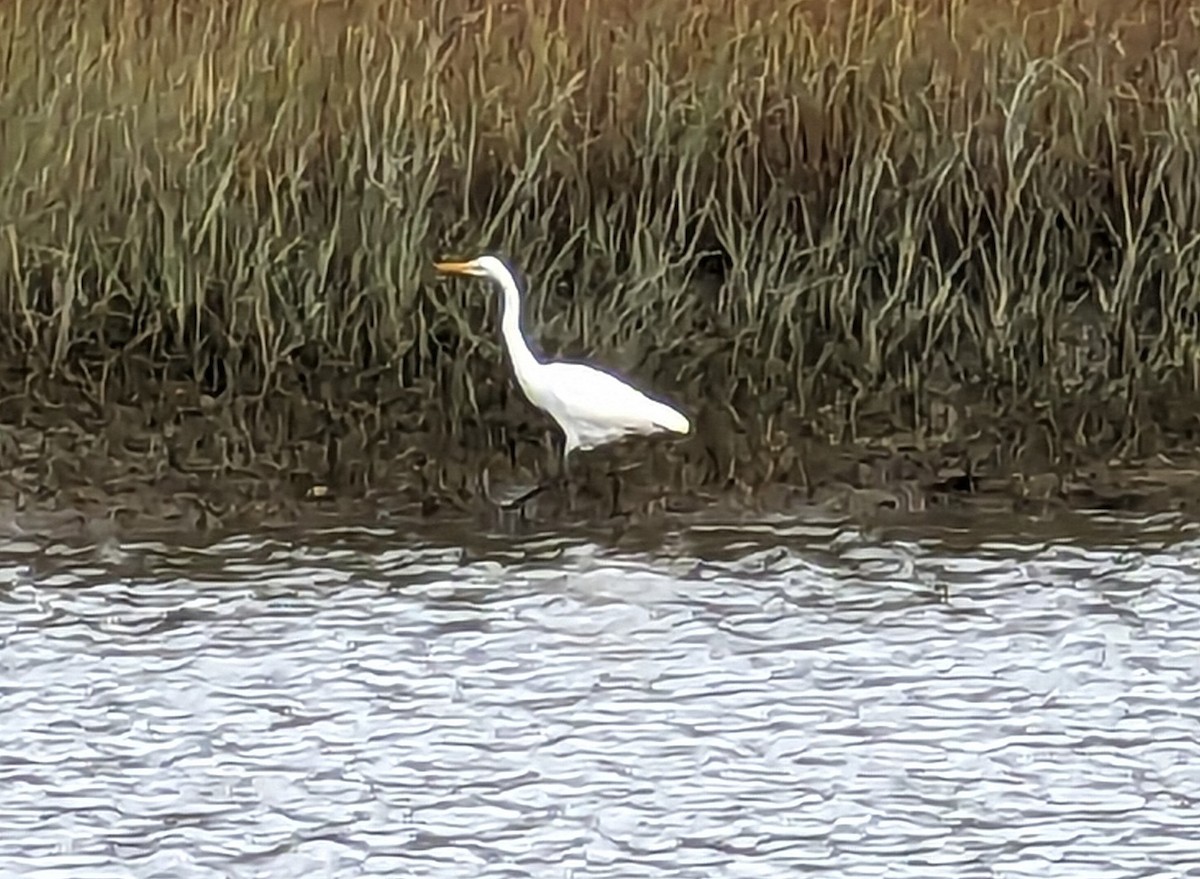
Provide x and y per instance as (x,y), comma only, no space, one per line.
(486,266)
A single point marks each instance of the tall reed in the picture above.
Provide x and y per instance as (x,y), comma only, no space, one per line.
(797,217)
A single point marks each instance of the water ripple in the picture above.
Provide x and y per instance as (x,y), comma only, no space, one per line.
(754,699)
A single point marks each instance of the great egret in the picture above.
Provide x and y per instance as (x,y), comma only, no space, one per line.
(591,406)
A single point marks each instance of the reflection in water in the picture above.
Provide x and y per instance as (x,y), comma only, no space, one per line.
(758,699)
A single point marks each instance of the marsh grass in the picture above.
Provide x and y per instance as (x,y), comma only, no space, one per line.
(853,219)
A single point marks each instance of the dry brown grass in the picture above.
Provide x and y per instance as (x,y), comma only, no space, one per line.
(795,216)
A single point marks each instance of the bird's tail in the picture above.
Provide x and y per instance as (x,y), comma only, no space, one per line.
(671,419)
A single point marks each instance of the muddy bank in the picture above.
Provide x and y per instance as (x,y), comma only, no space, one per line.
(176,459)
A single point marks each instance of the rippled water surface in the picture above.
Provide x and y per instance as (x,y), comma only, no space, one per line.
(773,698)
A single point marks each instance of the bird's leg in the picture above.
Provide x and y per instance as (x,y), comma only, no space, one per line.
(615,486)
(615,472)
(524,497)
(544,485)
(564,477)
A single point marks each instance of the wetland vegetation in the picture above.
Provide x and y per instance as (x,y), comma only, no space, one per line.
(952,245)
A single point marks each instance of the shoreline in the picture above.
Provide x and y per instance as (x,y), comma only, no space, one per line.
(63,483)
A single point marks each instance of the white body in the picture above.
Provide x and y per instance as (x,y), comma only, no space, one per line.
(593,407)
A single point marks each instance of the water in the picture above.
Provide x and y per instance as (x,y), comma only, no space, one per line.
(759,699)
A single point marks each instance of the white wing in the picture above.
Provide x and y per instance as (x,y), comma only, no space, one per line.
(600,406)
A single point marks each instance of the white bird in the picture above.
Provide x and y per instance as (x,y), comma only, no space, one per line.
(591,405)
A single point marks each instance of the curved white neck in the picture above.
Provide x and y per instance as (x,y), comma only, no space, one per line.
(523,359)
